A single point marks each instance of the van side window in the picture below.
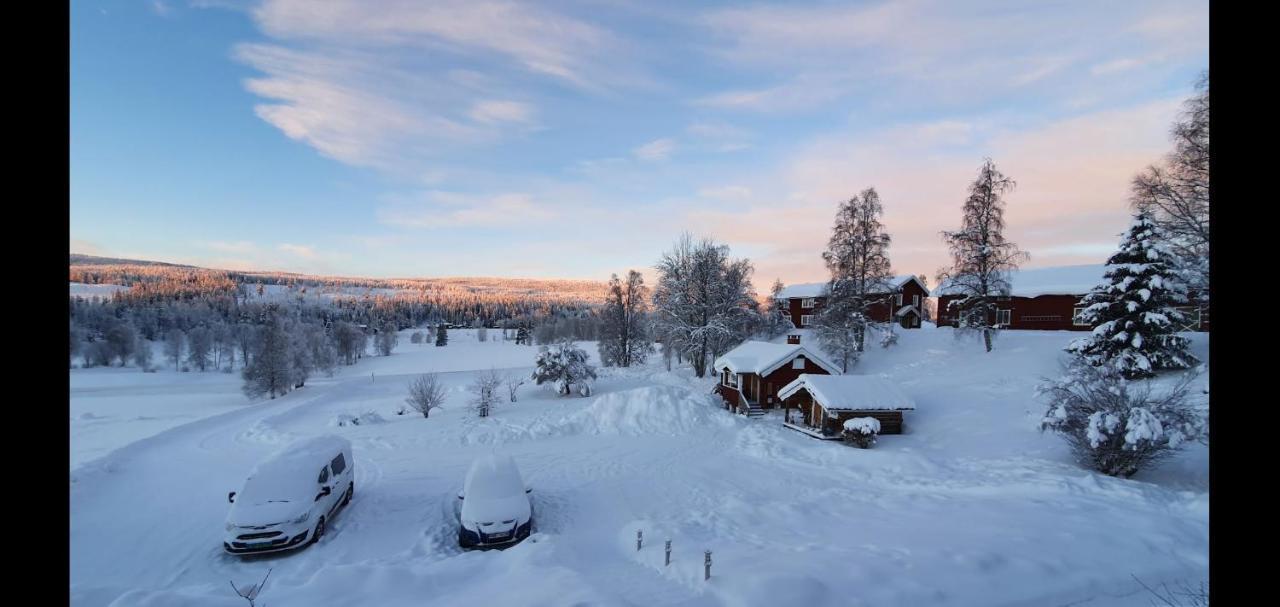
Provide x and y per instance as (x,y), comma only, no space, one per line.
(324,475)
(338,464)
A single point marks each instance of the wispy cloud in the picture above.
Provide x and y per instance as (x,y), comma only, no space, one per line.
(239,247)
(439,209)
(303,251)
(494,111)
(658,149)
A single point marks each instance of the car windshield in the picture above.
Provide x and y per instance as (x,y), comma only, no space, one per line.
(280,484)
(493,477)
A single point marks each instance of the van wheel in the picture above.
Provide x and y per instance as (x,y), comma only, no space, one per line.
(351,489)
(319,531)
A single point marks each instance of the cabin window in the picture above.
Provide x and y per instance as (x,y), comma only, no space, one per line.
(731,379)
(805,319)
(798,363)
(915,301)
(1077,317)
(897,299)
(1004,317)
(807,302)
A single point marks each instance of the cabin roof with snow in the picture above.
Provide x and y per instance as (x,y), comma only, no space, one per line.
(818,289)
(1057,280)
(850,392)
(763,358)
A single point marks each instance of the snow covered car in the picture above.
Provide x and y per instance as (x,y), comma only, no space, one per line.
(495,504)
(289,497)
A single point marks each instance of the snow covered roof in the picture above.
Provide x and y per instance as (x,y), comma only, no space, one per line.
(850,392)
(292,472)
(1057,280)
(906,310)
(763,358)
(818,289)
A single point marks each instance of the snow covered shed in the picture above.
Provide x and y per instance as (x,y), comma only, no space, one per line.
(752,373)
(826,401)
(902,304)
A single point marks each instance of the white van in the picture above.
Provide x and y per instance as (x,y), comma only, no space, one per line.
(289,497)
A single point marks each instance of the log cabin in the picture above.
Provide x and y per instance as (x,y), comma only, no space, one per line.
(825,402)
(752,373)
(1048,299)
(903,304)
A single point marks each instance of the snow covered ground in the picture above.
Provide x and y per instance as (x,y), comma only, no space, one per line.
(972,505)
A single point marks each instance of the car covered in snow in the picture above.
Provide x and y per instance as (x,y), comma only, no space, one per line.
(290,496)
(496,509)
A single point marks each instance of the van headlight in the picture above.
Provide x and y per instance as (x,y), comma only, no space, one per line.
(302,519)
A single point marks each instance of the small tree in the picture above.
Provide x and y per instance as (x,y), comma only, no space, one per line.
(482,333)
(271,371)
(173,342)
(1111,426)
(564,365)
(513,384)
(484,392)
(442,335)
(861,431)
(1134,313)
(416,338)
(122,340)
(142,353)
(199,347)
(522,336)
(387,338)
(426,393)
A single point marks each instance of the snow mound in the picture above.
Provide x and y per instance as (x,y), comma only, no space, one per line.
(88,415)
(648,410)
(364,419)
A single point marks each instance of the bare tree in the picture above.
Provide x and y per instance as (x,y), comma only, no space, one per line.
(173,342)
(981,258)
(485,392)
(1176,195)
(513,384)
(857,257)
(624,336)
(426,393)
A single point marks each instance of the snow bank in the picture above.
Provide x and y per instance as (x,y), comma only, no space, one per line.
(648,410)
(364,419)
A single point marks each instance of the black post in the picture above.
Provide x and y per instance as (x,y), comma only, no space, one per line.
(639,539)
(707,563)
(668,552)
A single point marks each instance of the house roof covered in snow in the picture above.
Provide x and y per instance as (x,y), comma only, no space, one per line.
(907,310)
(850,392)
(1057,280)
(818,289)
(763,358)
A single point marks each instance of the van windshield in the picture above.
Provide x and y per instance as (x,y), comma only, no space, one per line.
(280,484)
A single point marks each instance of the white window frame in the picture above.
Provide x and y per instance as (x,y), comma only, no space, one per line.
(915,301)
(732,379)
(1077,317)
(1006,315)
(808,302)
(805,319)
(797,362)
(897,299)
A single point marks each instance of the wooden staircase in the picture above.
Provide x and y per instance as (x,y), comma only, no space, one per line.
(754,410)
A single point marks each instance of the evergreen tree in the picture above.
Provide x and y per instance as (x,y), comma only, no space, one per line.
(564,365)
(442,335)
(523,337)
(1134,313)
(270,371)
(981,257)
(857,257)
(624,335)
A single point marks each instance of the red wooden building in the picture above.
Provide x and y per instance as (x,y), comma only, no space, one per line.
(903,304)
(825,402)
(1048,299)
(752,373)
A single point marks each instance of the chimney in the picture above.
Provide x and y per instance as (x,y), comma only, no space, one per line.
(793,339)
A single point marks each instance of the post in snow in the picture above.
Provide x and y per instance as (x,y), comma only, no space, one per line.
(668,563)
(706,575)
(639,539)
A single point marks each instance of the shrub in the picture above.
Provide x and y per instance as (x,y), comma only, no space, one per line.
(861,431)
(1115,427)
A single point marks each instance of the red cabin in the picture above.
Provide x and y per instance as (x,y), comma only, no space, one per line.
(752,374)
(903,305)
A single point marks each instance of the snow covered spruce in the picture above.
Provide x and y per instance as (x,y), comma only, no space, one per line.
(1134,313)
(566,366)
(1114,426)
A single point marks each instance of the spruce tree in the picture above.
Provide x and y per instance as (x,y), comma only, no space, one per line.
(442,336)
(1134,313)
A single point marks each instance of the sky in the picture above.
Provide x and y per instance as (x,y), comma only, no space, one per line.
(575,139)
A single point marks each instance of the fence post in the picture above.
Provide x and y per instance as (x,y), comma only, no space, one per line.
(668,553)
(706,575)
(639,539)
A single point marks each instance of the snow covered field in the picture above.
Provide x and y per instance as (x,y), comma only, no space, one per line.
(971,506)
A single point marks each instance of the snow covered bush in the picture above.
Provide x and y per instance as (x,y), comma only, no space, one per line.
(861,431)
(416,337)
(484,392)
(565,365)
(387,338)
(888,338)
(1116,427)
(1134,312)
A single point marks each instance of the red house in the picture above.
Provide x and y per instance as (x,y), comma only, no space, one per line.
(903,304)
(1048,299)
(752,374)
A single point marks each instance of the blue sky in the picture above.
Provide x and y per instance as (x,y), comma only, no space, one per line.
(576,139)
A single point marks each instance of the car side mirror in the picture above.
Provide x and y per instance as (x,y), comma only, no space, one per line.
(460,495)
(323,492)
(231,497)
(528,489)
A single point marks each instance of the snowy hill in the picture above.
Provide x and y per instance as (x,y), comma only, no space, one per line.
(971,505)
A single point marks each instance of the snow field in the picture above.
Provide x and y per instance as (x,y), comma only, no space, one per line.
(971,505)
